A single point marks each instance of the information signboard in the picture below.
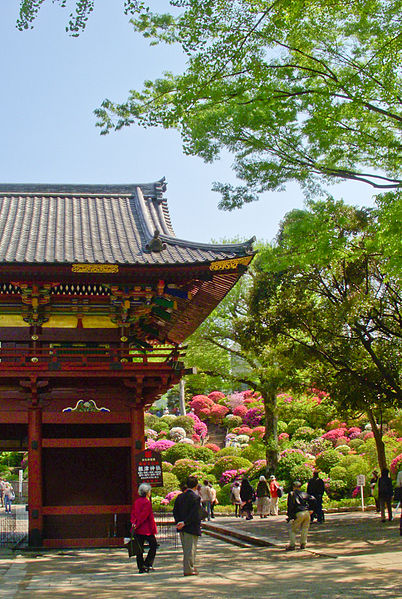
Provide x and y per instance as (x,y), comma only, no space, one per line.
(148,464)
(361,480)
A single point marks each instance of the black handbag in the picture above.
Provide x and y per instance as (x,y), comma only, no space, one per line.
(134,547)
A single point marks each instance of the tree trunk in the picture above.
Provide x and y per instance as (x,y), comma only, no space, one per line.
(182,399)
(382,460)
(271,430)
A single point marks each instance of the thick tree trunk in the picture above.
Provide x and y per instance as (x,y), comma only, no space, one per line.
(382,460)
(271,430)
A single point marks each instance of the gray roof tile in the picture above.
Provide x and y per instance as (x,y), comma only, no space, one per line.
(96,224)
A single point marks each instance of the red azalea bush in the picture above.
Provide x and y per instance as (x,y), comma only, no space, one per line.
(341,441)
(215,448)
(243,430)
(240,411)
(204,413)
(334,434)
(216,396)
(196,438)
(217,413)
(283,437)
(200,402)
(368,435)
(259,432)
(333,424)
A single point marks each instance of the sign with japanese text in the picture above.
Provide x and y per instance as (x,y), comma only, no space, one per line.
(149,468)
(361,480)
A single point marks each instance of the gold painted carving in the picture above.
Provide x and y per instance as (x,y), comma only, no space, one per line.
(230,264)
(95,268)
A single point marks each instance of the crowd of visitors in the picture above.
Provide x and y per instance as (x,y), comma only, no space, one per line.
(196,501)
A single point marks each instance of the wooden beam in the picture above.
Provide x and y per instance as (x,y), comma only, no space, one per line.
(82,510)
(74,442)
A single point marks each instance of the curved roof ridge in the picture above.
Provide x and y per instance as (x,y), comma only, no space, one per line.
(244,246)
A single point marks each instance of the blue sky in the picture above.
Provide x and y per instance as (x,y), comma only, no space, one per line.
(51,83)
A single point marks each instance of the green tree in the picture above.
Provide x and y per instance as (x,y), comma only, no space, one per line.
(296,90)
(221,347)
(323,289)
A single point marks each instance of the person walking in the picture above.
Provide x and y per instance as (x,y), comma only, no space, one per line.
(398,490)
(206,497)
(385,492)
(316,488)
(214,500)
(273,489)
(235,498)
(143,521)
(187,516)
(9,497)
(374,490)
(263,498)
(247,496)
(300,508)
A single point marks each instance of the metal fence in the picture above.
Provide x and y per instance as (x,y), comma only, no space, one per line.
(167,533)
(14,526)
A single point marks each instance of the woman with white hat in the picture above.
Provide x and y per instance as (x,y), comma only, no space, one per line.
(263,496)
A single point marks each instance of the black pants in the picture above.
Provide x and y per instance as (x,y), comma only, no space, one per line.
(149,560)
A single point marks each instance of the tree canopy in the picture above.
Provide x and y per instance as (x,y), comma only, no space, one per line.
(305,91)
(323,288)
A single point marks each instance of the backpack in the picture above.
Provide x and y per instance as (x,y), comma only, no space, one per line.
(279,491)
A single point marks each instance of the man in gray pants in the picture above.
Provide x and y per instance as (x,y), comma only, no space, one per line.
(187,515)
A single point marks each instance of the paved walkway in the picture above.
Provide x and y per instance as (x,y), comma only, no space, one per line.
(352,556)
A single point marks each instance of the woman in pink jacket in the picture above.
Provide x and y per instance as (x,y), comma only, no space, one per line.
(144,527)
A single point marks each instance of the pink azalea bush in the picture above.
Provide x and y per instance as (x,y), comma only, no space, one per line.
(259,432)
(254,416)
(368,435)
(200,428)
(243,430)
(160,445)
(333,424)
(235,400)
(283,437)
(229,475)
(396,465)
(169,497)
(354,432)
(334,434)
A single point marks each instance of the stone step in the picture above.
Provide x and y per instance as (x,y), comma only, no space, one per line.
(227,539)
(245,537)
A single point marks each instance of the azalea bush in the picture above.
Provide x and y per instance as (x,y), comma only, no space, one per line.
(229,463)
(179,451)
(254,417)
(183,468)
(161,445)
(328,459)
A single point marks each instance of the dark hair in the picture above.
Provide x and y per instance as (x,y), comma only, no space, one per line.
(384,472)
(183,487)
(192,481)
(206,483)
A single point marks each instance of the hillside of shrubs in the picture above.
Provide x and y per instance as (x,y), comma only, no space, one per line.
(311,436)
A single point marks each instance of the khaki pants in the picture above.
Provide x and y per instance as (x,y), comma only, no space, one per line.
(302,522)
(189,544)
(273,507)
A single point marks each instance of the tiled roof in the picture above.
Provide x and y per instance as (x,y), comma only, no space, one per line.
(96,224)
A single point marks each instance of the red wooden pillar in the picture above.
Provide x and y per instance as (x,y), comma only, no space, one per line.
(137,444)
(35,501)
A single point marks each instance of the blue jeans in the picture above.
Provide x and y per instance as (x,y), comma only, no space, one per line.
(7,503)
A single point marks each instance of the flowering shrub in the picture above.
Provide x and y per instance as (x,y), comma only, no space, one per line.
(343,449)
(283,437)
(244,430)
(342,441)
(327,459)
(186,440)
(167,466)
(230,450)
(170,483)
(204,413)
(305,432)
(150,433)
(216,396)
(316,446)
(231,421)
(259,432)
(240,411)
(213,446)
(255,451)
(177,433)
(196,438)
(229,463)
(396,465)
(334,434)
(179,451)
(234,400)
(229,475)
(160,445)
(353,432)
(217,413)
(333,424)
(183,468)
(242,439)
(201,402)
(200,428)
(295,424)
(368,435)
(258,468)
(288,459)
(186,422)
(169,497)
(254,416)
(204,454)
(301,472)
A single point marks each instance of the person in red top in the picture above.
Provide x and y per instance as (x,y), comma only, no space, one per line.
(142,519)
(273,489)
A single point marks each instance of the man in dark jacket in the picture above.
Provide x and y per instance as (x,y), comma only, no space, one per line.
(385,492)
(300,507)
(316,488)
(187,515)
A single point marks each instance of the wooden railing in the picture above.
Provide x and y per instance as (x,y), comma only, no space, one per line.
(50,358)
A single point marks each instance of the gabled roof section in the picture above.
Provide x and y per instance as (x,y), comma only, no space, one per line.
(97,224)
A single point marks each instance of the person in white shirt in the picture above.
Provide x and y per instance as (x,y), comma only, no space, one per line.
(206,497)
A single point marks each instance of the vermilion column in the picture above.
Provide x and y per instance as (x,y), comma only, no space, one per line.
(35,477)
(137,443)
